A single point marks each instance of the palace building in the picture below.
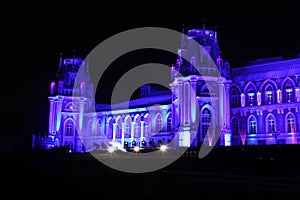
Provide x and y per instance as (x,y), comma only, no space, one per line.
(257,104)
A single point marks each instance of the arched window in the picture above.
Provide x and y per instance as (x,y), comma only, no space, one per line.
(288,90)
(109,131)
(250,90)
(234,98)
(290,123)
(206,116)
(252,125)
(69,128)
(99,127)
(147,125)
(234,126)
(119,127)
(269,95)
(169,122)
(127,130)
(137,130)
(271,124)
(158,123)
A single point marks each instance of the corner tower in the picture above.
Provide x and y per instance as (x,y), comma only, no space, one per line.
(68,103)
(204,63)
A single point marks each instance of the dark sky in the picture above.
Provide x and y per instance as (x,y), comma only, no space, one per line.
(34,36)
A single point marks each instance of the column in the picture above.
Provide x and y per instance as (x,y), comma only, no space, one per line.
(142,130)
(221,111)
(258,98)
(279,96)
(81,110)
(58,115)
(123,133)
(132,131)
(180,102)
(51,116)
(194,104)
(227,105)
(297,94)
(243,100)
(115,125)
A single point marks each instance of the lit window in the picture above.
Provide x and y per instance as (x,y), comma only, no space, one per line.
(289,95)
(251,98)
(158,123)
(69,130)
(252,125)
(206,115)
(291,124)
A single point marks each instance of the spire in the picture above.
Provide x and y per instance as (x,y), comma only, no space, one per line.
(216,36)
(182,38)
(203,26)
(60,60)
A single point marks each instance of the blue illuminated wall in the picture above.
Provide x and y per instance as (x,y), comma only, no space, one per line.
(257,104)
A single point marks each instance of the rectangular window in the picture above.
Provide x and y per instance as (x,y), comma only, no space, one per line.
(252,127)
(291,125)
(251,98)
(289,95)
(269,97)
(271,125)
(69,130)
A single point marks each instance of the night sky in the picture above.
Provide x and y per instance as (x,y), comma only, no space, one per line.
(35,35)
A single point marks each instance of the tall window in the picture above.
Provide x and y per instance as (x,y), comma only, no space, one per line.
(271,124)
(252,125)
(147,125)
(137,131)
(235,126)
(158,123)
(119,128)
(234,98)
(291,124)
(269,94)
(289,95)
(251,98)
(169,123)
(91,130)
(127,128)
(206,116)
(69,130)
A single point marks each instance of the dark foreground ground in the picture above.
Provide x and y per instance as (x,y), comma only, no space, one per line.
(265,172)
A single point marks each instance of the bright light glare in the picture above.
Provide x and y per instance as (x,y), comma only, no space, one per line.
(111,149)
(163,148)
(136,149)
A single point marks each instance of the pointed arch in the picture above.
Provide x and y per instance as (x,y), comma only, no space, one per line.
(235,125)
(252,124)
(91,127)
(286,81)
(158,122)
(235,96)
(268,81)
(169,121)
(270,123)
(119,123)
(250,92)
(127,130)
(207,88)
(147,125)
(69,127)
(232,86)
(290,123)
(109,127)
(206,122)
(70,106)
(137,128)
(250,85)
(288,90)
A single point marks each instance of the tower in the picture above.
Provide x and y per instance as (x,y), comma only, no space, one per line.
(68,102)
(200,90)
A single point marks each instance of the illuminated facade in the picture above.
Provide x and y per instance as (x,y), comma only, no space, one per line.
(257,104)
